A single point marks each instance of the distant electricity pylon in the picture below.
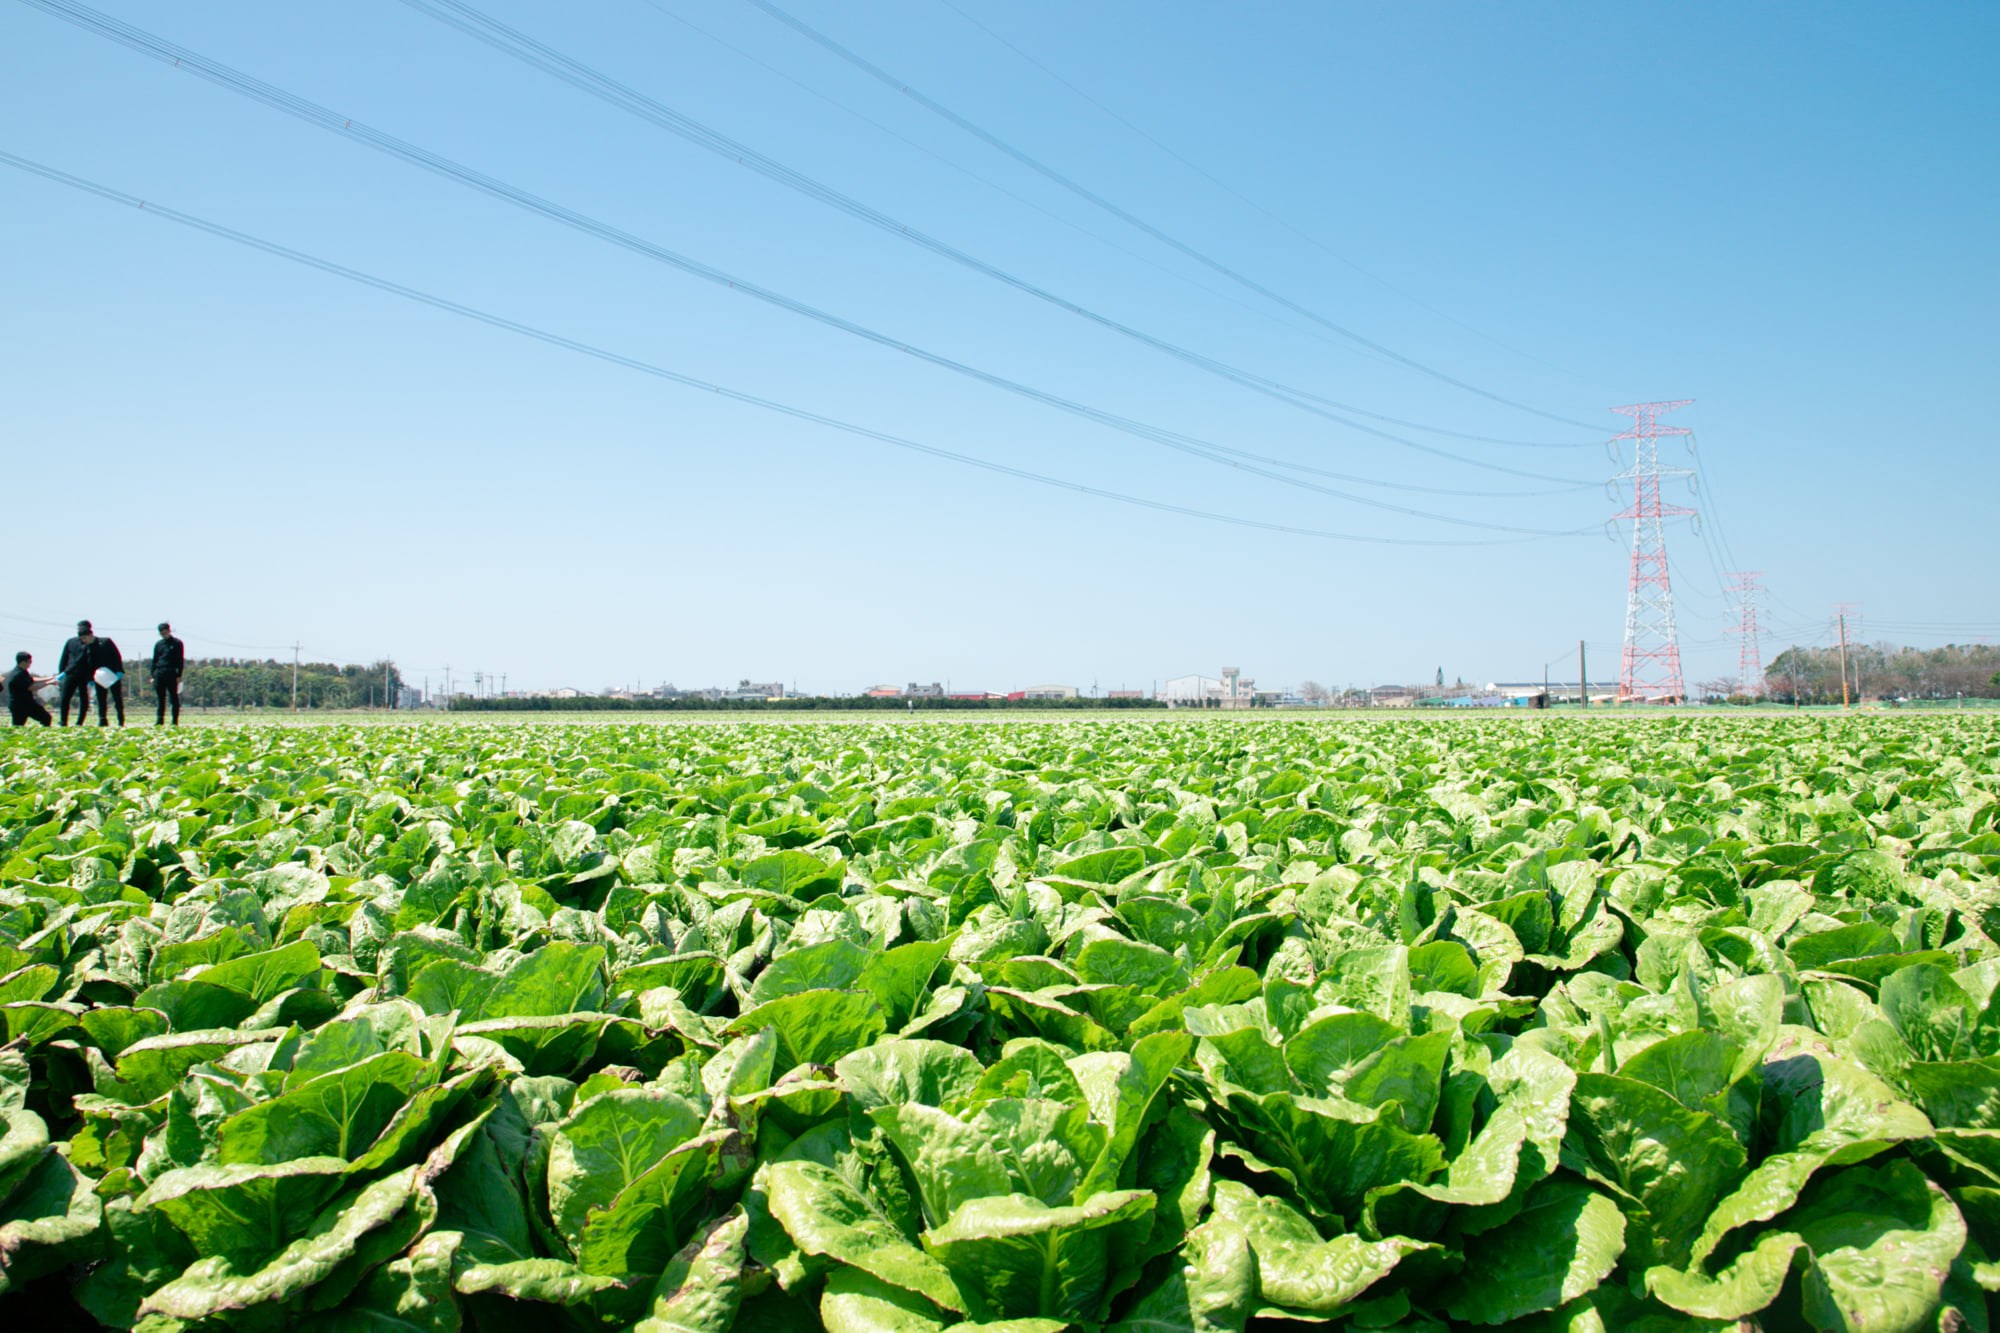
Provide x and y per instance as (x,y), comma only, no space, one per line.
(1651,669)
(1749,655)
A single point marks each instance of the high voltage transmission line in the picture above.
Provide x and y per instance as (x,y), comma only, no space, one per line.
(539,55)
(661,372)
(1247,201)
(1241,300)
(1165,238)
(312,113)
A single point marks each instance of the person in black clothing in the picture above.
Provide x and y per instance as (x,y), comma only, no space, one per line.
(21,685)
(104,655)
(73,669)
(169,660)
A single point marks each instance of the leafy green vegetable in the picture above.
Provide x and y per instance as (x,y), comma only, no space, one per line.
(1618,1022)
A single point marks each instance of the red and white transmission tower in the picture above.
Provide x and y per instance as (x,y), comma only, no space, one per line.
(1651,670)
(1749,656)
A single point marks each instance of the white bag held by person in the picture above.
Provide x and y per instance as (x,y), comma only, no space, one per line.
(106,677)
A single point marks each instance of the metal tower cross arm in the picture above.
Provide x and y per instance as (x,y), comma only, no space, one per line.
(1646,416)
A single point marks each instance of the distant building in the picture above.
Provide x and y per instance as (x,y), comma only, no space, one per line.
(752,691)
(934,690)
(882,692)
(1044,693)
(1125,694)
(1560,691)
(1392,696)
(1189,691)
(565,692)
(1231,689)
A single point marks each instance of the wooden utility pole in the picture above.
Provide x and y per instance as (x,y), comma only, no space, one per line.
(1843,659)
(295,677)
(1582,676)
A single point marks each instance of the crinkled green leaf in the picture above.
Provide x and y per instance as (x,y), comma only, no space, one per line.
(1299,1271)
(1565,1240)
(52,1218)
(606,1144)
(1672,1162)
(825,1215)
(702,1288)
(1016,1257)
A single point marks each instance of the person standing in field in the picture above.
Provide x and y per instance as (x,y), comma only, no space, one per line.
(73,670)
(169,661)
(21,685)
(104,656)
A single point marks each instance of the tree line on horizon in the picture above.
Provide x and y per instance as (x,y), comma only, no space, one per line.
(228,682)
(599,703)
(1799,674)
(1884,671)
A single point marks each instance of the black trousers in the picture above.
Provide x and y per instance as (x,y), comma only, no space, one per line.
(77,686)
(31,709)
(164,689)
(117,693)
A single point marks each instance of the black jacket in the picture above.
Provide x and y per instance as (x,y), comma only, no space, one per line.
(169,656)
(104,653)
(75,653)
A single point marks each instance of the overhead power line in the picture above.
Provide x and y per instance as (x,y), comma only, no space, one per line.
(312,113)
(1252,204)
(537,54)
(936,108)
(661,372)
(138,629)
(1241,300)
(205,639)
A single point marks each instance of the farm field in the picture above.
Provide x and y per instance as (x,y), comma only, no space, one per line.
(1557,1023)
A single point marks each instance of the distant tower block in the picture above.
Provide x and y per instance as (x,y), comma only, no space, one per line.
(1651,669)
(1749,654)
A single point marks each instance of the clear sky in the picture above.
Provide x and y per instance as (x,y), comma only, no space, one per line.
(1784,212)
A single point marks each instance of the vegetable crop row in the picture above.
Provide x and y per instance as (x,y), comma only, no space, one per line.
(1544,1023)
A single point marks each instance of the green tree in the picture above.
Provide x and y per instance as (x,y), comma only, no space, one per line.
(228,682)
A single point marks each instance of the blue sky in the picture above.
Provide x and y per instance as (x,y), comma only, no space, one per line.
(1783,212)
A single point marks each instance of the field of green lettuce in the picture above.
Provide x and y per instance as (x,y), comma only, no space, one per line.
(1545,1023)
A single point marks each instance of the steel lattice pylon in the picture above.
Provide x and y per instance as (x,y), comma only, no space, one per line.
(1651,669)
(1749,655)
